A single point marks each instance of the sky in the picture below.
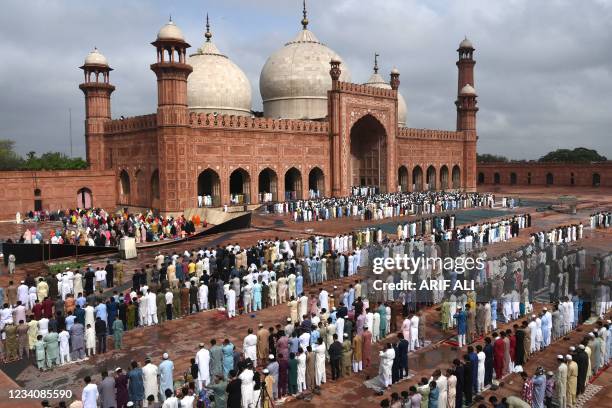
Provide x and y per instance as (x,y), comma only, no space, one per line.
(543,68)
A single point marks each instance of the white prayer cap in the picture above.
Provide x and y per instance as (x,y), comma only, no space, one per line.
(22,281)
(201,345)
(165,356)
(345,335)
(533,316)
(559,357)
(67,268)
(545,309)
(266,371)
(572,348)
(260,324)
(335,287)
(609,321)
(271,357)
(117,369)
(289,319)
(581,347)
(549,373)
(568,357)
(129,404)
(591,334)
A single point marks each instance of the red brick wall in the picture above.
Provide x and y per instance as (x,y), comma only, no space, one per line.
(58,189)
(534,173)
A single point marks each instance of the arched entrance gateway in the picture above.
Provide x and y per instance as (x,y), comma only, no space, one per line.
(240,187)
(141,198)
(316,183)
(368,162)
(209,189)
(402,178)
(293,184)
(444,177)
(596,180)
(267,186)
(84,198)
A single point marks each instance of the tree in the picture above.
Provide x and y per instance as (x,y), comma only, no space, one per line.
(491,158)
(9,159)
(577,155)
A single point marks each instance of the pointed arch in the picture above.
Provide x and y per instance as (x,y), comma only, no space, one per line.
(209,189)
(402,178)
(596,180)
(316,183)
(417,178)
(496,178)
(84,198)
(481,178)
(155,185)
(456,177)
(550,179)
(368,153)
(267,185)
(124,187)
(444,177)
(293,184)
(430,178)
(240,186)
(513,178)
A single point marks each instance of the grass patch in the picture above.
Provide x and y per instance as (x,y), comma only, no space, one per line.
(61,266)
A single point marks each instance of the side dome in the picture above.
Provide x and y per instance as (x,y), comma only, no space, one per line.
(402,109)
(295,79)
(217,85)
(466,44)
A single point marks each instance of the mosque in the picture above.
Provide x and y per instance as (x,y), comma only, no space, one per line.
(319,134)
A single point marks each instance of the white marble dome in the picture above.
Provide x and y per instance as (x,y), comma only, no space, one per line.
(170,31)
(402,109)
(217,85)
(95,57)
(295,79)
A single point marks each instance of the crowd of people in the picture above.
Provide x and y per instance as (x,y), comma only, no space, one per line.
(96,227)
(381,206)
(601,219)
(66,317)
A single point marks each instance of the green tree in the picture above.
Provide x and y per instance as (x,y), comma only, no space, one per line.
(491,158)
(577,155)
(9,159)
(54,161)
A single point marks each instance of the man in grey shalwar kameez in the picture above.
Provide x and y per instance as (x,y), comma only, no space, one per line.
(77,341)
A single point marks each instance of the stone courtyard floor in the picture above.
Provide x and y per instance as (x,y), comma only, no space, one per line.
(181,337)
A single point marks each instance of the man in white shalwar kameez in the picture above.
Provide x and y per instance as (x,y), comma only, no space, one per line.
(151,308)
(386,364)
(149,377)
(231,302)
(246,387)
(202,359)
(249,347)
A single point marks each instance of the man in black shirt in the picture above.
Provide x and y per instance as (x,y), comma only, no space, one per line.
(335,356)
(101,335)
(234,394)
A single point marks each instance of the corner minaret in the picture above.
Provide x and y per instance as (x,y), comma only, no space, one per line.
(173,128)
(466,93)
(467,107)
(97,90)
(172,71)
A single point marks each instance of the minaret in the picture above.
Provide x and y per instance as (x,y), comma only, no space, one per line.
(467,107)
(97,90)
(466,93)
(173,128)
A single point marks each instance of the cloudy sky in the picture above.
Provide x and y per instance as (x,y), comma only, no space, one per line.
(543,72)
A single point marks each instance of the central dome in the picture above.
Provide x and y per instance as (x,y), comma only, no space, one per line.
(217,85)
(295,79)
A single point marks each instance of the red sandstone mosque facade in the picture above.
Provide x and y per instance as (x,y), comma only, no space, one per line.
(319,132)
